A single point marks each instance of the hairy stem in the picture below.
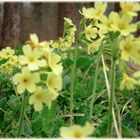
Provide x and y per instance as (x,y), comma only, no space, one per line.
(94,88)
(73,82)
(111,98)
(22,112)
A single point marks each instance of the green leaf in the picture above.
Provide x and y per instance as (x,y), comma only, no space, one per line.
(127,132)
(47,116)
(2,106)
(3,61)
(83,62)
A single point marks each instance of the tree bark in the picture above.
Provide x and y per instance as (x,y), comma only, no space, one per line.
(11,24)
(66,10)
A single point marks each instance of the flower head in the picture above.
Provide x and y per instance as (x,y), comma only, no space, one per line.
(91,32)
(106,22)
(122,24)
(128,48)
(32,57)
(34,42)
(7,52)
(26,80)
(93,47)
(99,10)
(54,81)
(41,96)
(54,63)
(130,8)
(87,13)
(76,131)
(128,82)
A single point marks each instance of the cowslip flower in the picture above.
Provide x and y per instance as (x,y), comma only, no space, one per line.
(32,57)
(54,63)
(54,81)
(99,10)
(76,131)
(136,57)
(87,12)
(41,96)
(128,48)
(94,13)
(26,80)
(7,52)
(63,44)
(93,47)
(122,24)
(130,8)
(68,21)
(137,76)
(106,22)
(90,32)
(34,42)
(127,82)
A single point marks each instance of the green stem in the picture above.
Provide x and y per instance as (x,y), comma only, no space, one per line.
(94,87)
(112,92)
(73,82)
(21,114)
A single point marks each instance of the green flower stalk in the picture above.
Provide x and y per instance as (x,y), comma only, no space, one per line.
(94,88)
(73,82)
(22,112)
(111,98)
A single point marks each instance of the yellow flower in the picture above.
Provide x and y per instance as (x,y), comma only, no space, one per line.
(26,80)
(90,32)
(68,20)
(41,96)
(99,10)
(122,24)
(102,32)
(94,13)
(34,42)
(31,58)
(128,48)
(106,23)
(63,45)
(137,75)
(136,56)
(87,13)
(54,63)
(93,47)
(13,60)
(54,44)
(7,52)
(130,8)
(76,131)
(127,82)
(54,81)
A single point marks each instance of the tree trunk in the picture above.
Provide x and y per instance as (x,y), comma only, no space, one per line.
(66,10)
(11,24)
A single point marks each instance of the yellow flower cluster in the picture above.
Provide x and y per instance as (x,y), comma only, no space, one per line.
(100,25)
(76,131)
(8,59)
(38,58)
(68,37)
